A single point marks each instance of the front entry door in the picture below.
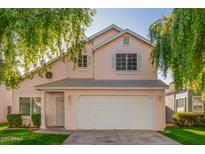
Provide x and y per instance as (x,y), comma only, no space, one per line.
(59,105)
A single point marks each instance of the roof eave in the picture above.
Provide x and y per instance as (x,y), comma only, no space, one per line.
(104,30)
(99,88)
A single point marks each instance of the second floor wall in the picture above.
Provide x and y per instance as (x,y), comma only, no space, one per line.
(116,61)
(101,64)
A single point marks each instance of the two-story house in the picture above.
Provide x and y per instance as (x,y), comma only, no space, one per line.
(114,86)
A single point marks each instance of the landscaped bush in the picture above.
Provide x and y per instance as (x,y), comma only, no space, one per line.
(189,119)
(201,119)
(36,119)
(14,120)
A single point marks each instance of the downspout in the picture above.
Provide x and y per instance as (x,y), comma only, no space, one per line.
(93,64)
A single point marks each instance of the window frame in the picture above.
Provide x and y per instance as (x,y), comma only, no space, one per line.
(82,61)
(30,105)
(184,104)
(193,104)
(127,58)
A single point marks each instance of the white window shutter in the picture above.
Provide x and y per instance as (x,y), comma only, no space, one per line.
(114,62)
(89,60)
(139,62)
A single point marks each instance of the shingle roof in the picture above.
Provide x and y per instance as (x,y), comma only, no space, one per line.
(90,83)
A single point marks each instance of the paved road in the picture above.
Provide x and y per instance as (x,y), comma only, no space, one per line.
(118,137)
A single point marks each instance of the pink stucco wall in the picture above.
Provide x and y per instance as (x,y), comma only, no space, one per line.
(103,60)
(75,72)
(26,88)
(104,36)
(5,101)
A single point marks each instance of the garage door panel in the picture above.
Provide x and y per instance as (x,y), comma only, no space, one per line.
(115,112)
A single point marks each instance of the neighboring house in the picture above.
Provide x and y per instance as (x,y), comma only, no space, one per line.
(115,86)
(182,101)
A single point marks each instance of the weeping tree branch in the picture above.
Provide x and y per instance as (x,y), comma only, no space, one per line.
(31,36)
(180,46)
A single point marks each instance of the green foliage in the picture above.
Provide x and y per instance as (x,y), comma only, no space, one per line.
(29,37)
(180,47)
(188,119)
(3,126)
(36,119)
(14,120)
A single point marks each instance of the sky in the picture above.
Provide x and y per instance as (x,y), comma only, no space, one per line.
(137,20)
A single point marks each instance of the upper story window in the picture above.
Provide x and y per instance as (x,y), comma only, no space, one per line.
(126,40)
(29,105)
(126,61)
(198,104)
(83,62)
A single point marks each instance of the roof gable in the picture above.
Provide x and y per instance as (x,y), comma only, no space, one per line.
(122,33)
(105,30)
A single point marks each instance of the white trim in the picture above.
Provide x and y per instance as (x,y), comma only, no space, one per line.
(126,72)
(106,29)
(66,122)
(43,111)
(54,110)
(54,90)
(182,95)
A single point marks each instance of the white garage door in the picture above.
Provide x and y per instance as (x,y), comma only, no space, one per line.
(115,112)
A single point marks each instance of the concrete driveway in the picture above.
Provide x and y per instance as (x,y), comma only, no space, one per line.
(118,137)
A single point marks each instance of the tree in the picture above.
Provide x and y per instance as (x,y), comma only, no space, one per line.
(30,36)
(180,47)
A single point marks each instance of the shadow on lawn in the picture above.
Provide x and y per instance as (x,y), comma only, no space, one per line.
(188,136)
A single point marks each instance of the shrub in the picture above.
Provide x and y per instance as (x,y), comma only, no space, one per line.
(14,120)
(201,119)
(36,119)
(189,119)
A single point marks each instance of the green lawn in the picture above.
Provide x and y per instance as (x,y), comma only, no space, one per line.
(26,137)
(3,126)
(190,136)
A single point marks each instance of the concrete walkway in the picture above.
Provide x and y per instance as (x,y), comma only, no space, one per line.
(53,131)
(118,137)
